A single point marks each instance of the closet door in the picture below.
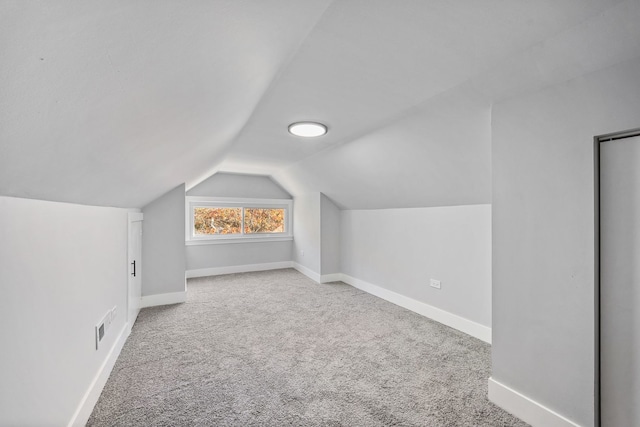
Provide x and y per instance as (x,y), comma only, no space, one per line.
(620,282)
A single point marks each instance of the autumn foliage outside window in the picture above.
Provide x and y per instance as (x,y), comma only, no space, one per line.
(229,220)
(258,220)
(217,220)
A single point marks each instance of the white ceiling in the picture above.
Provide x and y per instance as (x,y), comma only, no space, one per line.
(113,103)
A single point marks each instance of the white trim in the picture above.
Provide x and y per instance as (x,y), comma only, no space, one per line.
(328,278)
(135,216)
(217,271)
(223,241)
(163,299)
(193,201)
(90,398)
(528,410)
(453,320)
(307,272)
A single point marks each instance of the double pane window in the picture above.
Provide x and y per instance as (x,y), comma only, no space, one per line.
(227,219)
(230,220)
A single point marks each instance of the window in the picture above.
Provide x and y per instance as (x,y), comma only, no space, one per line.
(229,220)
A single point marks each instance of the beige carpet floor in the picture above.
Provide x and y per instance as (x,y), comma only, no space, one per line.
(276,349)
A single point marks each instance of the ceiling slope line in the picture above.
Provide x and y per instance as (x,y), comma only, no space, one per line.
(472,82)
(413,110)
(276,78)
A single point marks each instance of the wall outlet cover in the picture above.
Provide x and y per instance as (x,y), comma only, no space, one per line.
(435,283)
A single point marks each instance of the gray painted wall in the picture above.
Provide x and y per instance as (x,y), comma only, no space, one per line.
(330,236)
(239,185)
(62,267)
(306,231)
(543,234)
(402,249)
(234,254)
(316,233)
(163,250)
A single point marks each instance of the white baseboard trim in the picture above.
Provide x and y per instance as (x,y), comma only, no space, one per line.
(163,299)
(328,278)
(528,410)
(460,323)
(216,271)
(307,272)
(90,398)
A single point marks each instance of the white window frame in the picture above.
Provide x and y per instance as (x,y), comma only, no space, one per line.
(233,202)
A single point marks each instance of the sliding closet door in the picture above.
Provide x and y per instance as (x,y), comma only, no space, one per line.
(620,282)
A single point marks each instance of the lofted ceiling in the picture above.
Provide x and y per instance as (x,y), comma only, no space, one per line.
(114,103)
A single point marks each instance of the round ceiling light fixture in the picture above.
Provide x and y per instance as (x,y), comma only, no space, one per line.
(307,129)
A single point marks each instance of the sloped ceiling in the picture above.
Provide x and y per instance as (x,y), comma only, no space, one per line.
(114,103)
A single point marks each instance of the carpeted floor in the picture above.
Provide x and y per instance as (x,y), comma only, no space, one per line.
(276,349)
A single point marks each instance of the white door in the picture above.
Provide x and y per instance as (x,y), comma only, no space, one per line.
(620,282)
(135,268)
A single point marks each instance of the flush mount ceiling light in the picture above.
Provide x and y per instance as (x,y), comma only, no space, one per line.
(307,129)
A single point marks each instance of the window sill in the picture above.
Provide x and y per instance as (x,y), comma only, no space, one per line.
(237,240)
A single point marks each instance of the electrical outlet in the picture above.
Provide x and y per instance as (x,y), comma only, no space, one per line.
(435,283)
